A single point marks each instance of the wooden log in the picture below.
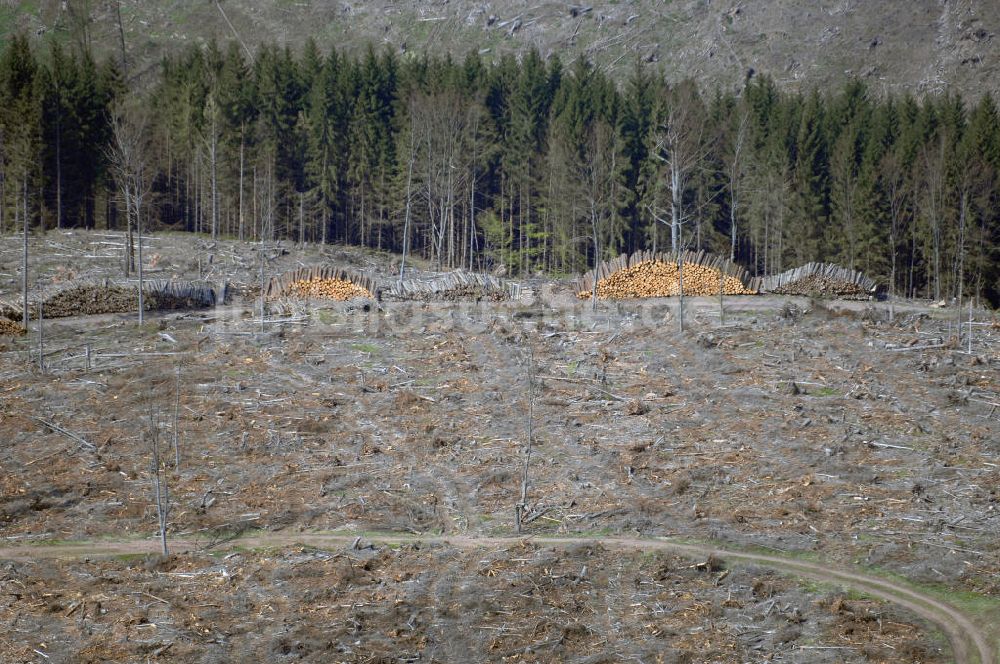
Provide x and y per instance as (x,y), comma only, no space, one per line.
(820,279)
(649,274)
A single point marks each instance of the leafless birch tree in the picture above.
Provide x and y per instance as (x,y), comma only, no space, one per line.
(161,490)
(735,181)
(129,156)
(681,146)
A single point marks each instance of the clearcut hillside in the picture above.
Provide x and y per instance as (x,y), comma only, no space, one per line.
(917,46)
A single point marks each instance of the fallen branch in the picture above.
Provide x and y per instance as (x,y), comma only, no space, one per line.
(68,434)
(158,599)
(536,515)
(906,348)
(892,447)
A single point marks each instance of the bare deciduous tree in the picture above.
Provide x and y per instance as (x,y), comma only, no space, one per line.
(440,123)
(520,509)
(24,260)
(129,155)
(409,200)
(681,146)
(594,171)
(161,491)
(735,175)
(177,408)
(211,136)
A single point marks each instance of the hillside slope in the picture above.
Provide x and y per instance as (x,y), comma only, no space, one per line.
(921,46)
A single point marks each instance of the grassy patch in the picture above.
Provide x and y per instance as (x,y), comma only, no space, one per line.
(597,533)
(806,556)
(326,317)
(8,21)
(365,348)
(129,557)
(825,392)
(110,537)
(56,542)
(983,609)
(974,604)
(814,587)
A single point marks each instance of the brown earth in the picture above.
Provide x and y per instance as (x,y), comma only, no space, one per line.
(718,644)
(800,428)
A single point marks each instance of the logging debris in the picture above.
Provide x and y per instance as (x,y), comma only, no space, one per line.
(455,286)
(105,296)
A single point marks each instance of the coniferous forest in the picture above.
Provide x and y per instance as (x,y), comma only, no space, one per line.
(523,164)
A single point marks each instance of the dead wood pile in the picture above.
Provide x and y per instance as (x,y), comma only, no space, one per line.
(84,298)
(164,294)
(328,289)
(821,280)
(323,282)
(645,274)
(456,286)
(10,328)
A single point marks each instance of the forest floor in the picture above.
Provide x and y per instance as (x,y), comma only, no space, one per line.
(813,433)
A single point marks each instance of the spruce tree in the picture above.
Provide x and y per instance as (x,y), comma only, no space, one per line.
(811,178)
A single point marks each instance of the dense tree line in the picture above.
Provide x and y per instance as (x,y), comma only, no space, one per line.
(522,163)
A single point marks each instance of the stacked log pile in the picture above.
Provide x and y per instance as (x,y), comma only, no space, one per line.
(645,274)
(456,286)
(821,280)
(163,294)
(10,328)
(84,298)
(322,282)
(327,289)
(87,299)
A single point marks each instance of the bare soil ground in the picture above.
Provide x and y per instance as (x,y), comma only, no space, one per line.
(807,430)
(519,601)
(916,47)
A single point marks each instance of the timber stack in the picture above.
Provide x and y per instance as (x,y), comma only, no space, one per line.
(323,282)
(104,296)
(648,274)
(164,294)
(821,280)
(456,286)
(9,328)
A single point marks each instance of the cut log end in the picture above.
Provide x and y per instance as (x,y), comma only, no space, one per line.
(657,278)
(328,289)
(9,328)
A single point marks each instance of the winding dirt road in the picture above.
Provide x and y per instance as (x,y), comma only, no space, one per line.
(969,643)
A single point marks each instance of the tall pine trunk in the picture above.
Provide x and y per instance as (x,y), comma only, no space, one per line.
(138,227)
(242,144)
(59,205)
(129,241)
(24,258)
(215,184)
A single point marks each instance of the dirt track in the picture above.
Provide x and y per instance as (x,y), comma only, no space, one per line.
(969,644)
